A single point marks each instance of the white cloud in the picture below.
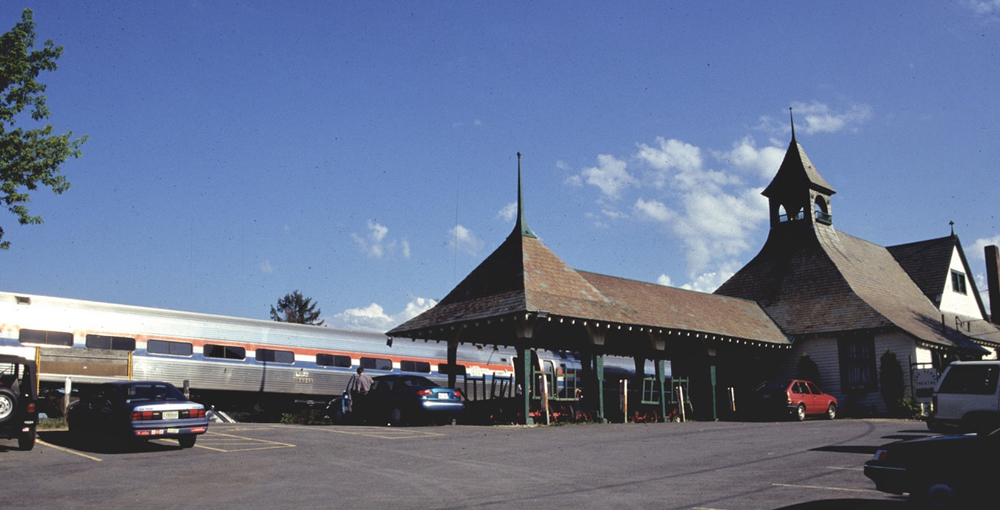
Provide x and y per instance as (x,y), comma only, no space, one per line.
(664,280)
(375,243)
(266,267)
(709,281)
(653,210)
(986,8)
(979,247)
(745,155)
(509,212)
(374,318)
(610,176)
(816,117)
(462,239)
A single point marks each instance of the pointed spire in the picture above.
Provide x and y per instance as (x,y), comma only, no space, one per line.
(521,227)
(792,118)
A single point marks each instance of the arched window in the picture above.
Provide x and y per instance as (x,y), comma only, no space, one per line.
(821,211)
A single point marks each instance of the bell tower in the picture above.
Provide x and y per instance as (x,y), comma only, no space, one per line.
(798,193)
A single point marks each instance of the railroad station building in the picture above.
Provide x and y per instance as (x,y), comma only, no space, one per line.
(811,291)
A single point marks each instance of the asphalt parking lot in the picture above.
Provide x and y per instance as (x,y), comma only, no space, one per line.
(719,466)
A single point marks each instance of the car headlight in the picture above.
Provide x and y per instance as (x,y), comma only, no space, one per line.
(880,455)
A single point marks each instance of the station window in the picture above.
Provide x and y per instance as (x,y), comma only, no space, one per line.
(115,343)
(420,367)
(169,348)
(34,336)
(271,355)
(224,351)
(448,369)
(958,282)
(376,364)
(333,360)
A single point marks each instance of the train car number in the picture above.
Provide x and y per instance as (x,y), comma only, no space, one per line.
(304,380)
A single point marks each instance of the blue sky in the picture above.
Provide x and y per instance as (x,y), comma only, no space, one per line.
(364,153)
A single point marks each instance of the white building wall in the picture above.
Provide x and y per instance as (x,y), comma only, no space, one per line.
(956,302)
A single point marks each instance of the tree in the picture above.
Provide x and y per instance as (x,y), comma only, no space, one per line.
(297,309)
(33,156)
(891,374)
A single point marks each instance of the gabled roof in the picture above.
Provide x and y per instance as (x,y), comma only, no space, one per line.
(823,281)
(927,263)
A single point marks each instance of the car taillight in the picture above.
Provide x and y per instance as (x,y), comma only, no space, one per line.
(31,407)
(145,415)
(880,455)
(196,413)
(425,393)
(458,393)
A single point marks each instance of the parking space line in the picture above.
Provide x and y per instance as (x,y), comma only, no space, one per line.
(846,468)
(67,450)
(226,443)
(384,433)
(822,487)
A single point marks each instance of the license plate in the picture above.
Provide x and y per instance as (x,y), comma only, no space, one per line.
(173,431)
(442,396)
(170,415)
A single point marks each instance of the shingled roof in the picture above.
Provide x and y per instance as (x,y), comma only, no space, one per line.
(927,263)
(813,279)
(524,277)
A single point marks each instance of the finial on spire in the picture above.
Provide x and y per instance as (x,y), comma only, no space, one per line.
(952,224)
(521,227)
(792,118)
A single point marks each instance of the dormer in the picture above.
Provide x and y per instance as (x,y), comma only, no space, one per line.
(798,192)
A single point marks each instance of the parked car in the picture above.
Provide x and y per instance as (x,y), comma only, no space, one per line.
(398,400)
(139,410)
(797,398)
(967,398)
(939,472)
(18,400)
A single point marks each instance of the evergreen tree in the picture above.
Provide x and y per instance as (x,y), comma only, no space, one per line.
(297,309)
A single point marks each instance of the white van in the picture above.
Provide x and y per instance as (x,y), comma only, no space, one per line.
(967,398)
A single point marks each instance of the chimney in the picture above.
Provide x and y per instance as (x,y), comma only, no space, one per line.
(993,281)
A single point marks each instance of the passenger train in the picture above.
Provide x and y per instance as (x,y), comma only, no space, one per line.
(227,361)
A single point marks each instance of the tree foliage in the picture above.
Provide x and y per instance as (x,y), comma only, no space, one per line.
(28,157)
(297,309)
(891,375)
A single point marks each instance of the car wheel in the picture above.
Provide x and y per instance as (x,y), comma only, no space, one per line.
(831,412)
(8,403)
(938,495)
(187,441)
(800,412)
(26,441)
(396,417)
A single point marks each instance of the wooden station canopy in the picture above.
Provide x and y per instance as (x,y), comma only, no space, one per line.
(526,297)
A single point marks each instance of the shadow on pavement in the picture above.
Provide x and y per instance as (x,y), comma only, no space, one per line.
(853,504)
(102,444)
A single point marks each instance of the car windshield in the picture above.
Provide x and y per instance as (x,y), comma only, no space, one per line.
(145,392)
(773,386)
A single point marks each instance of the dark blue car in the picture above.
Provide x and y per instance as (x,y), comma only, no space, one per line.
(400,400)
(139,410)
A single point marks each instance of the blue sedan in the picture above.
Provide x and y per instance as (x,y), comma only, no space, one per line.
(139,410)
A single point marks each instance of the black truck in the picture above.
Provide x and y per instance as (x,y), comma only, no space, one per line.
(18,400)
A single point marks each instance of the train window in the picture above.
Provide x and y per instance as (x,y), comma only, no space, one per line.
(376,364)
(448,369)
(115,343)
(168,347)
(34,336)
(333,360)
(271,355)
(224,351)
(421,367)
